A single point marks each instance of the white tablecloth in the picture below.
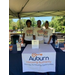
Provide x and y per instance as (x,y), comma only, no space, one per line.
(39,60)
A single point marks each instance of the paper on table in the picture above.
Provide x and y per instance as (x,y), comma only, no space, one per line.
(18,46)
(35,44)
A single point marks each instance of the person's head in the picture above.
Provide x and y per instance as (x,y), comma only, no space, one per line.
(46,24)
(39,23)
(28,23)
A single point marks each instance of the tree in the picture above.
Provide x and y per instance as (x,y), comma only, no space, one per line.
(10,21)
(21,23)
(58,22)
(62,20)
(43,23)
(34,23)
(53,18)
(24,22)
(14,25)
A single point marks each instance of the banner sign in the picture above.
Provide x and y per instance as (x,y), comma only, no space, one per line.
(39,62)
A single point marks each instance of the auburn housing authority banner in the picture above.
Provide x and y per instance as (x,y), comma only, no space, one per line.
(39,60)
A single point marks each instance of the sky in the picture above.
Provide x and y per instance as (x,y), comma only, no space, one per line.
(37,18)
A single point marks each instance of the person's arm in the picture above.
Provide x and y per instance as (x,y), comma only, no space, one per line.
(23,37)
(50,39)
(23,34)
(34,35)
(50,33)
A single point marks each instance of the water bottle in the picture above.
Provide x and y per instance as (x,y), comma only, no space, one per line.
(18,45)
(56,44)
(16,42)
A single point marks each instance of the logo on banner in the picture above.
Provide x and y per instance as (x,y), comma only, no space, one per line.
(38,57)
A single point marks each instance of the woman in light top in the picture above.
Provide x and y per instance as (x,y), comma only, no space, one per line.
(47,34)
(38,33)
(28,33)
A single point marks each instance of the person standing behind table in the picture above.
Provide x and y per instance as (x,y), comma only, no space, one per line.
(27,33)
(38,33)
(47,34)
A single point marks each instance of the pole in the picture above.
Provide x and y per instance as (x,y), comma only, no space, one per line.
(20,25)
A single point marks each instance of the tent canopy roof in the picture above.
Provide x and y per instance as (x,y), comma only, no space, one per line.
(36,8)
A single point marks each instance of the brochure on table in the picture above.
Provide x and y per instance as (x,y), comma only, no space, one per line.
(18,46)
(35,44)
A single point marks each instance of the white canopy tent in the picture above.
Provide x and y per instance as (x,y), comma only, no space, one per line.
(36,8)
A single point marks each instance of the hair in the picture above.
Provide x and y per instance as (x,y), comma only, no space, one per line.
(47,22)
(28,21)
(39,20)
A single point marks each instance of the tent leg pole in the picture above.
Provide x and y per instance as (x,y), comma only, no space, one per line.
(20,25)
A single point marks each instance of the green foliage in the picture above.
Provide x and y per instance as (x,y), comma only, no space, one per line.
(43,23)
(57,22)
(21,23)
(34,23)
(10,28)
(10,22)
